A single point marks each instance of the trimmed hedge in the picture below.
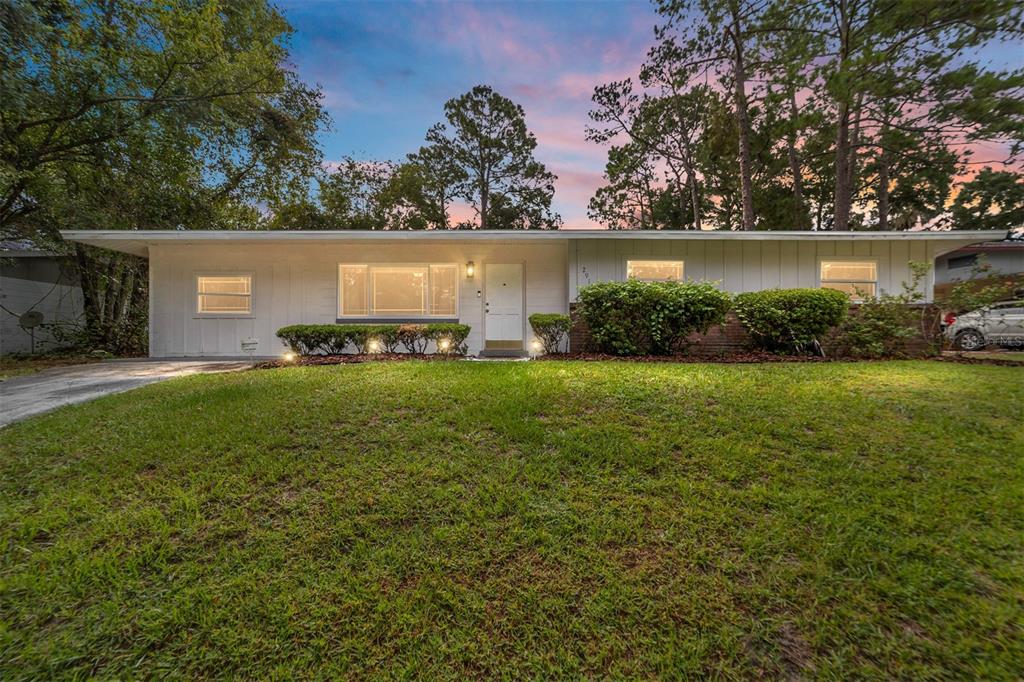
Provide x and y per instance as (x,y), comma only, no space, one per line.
(335,339)
(649,318)
(550,328)
(790,320)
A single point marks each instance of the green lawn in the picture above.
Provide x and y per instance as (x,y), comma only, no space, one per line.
(523,519)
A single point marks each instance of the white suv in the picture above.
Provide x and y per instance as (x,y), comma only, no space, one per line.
(999,324)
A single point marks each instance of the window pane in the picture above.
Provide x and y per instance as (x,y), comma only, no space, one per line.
(857,291)
(224,285)
(444,282)
(214,303)
(856,271)
(353,290)
(654,270)
(224,294)
(399,290)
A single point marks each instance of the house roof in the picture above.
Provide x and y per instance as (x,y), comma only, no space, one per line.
(138,241)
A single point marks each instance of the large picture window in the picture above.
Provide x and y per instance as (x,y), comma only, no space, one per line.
(857,278)
(398,290)
(224,294)
(655,270)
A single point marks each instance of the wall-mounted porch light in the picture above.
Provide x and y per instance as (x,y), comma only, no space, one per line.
(470,270)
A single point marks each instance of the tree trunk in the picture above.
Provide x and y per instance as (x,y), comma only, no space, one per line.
(843,195)
(883,188)
(742,119)
(791,152)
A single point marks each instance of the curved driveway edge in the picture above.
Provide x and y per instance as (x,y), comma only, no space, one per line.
(26,396)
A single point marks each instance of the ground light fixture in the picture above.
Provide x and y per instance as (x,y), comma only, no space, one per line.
(536,346)
(470,270)
(373,346)
(443,344)
(288,356)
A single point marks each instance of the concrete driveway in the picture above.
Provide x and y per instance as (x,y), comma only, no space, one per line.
(26,396)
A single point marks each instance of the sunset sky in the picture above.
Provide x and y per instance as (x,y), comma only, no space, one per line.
(386,69)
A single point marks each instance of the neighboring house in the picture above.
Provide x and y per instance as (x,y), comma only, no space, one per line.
(1004,258)
(210,291)
(34,280)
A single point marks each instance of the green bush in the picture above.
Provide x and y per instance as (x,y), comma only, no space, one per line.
(790,320)
(335,339)
(550,328)
(881,326)
(413,337)
(449,337)
(640,318)
(315,339)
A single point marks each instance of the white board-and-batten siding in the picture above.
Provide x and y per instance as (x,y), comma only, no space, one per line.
(740,266)
(298,284)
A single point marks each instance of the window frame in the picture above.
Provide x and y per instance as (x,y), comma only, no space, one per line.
(850,259)
(371,315)
(652,259)
(198,312)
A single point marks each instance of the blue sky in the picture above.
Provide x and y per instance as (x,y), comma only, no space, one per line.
(386,69)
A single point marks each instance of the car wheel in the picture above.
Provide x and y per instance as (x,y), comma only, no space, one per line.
(970,340)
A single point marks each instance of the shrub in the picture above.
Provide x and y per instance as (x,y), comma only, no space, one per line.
(550,328)
(335,339)
(413,337)
(453,333)
(790,320)
(878,328)
(313,339)
(638,318)
(881,326)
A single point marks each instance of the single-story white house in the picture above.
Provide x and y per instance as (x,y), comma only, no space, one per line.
(210,291)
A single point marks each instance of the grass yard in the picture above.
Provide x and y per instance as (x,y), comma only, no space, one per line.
(545,519)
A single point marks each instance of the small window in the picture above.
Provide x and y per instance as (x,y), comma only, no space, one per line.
(957,262)
(398,290)
(224,294)
(858,279)
(655,270)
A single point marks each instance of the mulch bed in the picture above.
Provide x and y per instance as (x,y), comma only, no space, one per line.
(353,359)
(963,360)
(733,359)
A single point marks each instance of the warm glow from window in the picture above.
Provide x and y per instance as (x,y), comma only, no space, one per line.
(858,279)
(655,270)
(224,294)
(398,290)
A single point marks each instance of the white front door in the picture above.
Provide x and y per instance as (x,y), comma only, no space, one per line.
(503,304)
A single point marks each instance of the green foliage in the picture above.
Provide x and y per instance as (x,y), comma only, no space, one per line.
(162,115)
(881,326)
(551,329)
(488,153)
(790,320)
(649,318)
(336,339)
(992,200)
(449,337)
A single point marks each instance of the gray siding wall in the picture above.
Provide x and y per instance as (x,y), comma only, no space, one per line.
(746,265)
(298,284)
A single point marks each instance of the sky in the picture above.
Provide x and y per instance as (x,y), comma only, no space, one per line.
(387,68)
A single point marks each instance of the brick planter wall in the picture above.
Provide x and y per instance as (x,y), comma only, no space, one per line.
(726,339)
